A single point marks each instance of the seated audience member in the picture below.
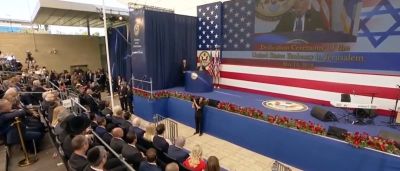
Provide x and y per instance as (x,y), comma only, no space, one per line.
(97,157)
(118,116)
(172,167)
(49,104)
(78,160)
(150,164)
(108,136)
(213,164)
(117,143)
(150,132)
(107,110)
(56,112)
(136,128)
(59,131)
(37,87)
(101,128)
(73,126)
(7,117)
(177,152)
(159,141)
(195,161)
(130,152)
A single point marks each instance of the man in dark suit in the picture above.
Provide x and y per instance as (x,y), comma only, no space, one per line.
(78,160)
(177,152)
(150,164)
(123,95)
(101,128)
(130,152)
(136,128)
(97,157)
(107,110)
(300,19)
(159,141)
(117,142)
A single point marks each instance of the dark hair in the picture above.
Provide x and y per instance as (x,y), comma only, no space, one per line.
(101,121)
(127,115)
(160,129)
(130,137)
(151,155)
(212,164)
(78,142)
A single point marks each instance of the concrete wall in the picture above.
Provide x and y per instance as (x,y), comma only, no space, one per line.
(71,49)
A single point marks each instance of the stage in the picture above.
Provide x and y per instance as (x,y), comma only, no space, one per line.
(299,149)
(254,100)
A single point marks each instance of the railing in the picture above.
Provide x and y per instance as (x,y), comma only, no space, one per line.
(142,84)
(277,166)
(170,126)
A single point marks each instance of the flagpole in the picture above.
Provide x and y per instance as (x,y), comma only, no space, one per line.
(108,56)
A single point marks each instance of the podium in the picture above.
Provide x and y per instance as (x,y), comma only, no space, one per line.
(198,82)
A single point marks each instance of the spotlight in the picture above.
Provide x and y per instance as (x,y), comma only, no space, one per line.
(120,18)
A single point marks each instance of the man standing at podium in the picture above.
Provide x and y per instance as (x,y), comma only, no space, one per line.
(198,104)
(301,18)
(183,69)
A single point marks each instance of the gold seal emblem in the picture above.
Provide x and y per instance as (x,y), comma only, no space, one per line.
(194,76)
(284,105)
(271,10)
(204,59)
(136,29)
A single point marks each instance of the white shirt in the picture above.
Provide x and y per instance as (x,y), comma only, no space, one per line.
(303,18)
(96,169)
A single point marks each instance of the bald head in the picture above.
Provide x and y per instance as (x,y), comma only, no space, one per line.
(5,105)
(117,132)
(172,167)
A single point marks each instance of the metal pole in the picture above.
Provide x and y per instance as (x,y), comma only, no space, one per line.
(108,56)
(88,26)
(28,160)
(151,88)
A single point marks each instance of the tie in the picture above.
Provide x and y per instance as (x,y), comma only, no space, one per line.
(299,25)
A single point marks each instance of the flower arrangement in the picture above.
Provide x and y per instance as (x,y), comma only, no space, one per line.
(298,124)
(141,93)
(180,95)
(246,111)
(362,140)
(161,94)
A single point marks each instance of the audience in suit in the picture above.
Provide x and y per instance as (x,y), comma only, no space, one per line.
(97,157)
(213,164)
(117,143)
(107,110)
(159,141)
(118,116)
(130,152)
(150,164)
(101,128)
(37,87)
(177,152)
(136,128)
(172,167)
(150,132)
(195,161)
(78,161)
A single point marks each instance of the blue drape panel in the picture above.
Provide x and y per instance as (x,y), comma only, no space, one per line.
(169,39)
(119,52)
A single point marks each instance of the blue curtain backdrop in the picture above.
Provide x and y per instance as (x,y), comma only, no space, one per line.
(119,50)
(169,39)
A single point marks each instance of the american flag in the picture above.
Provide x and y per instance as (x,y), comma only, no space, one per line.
(238,25)
(209,23)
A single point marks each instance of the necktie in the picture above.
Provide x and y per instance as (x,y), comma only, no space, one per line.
(299,25)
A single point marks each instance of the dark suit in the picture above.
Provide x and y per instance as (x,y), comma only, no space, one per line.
(312,22)
(179,154)
(107,137)
(123,94)
(160,143)
(106,111)
(145,166)
(117,144)
(100,131)
(77,162)
(139,132)
(132,155)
